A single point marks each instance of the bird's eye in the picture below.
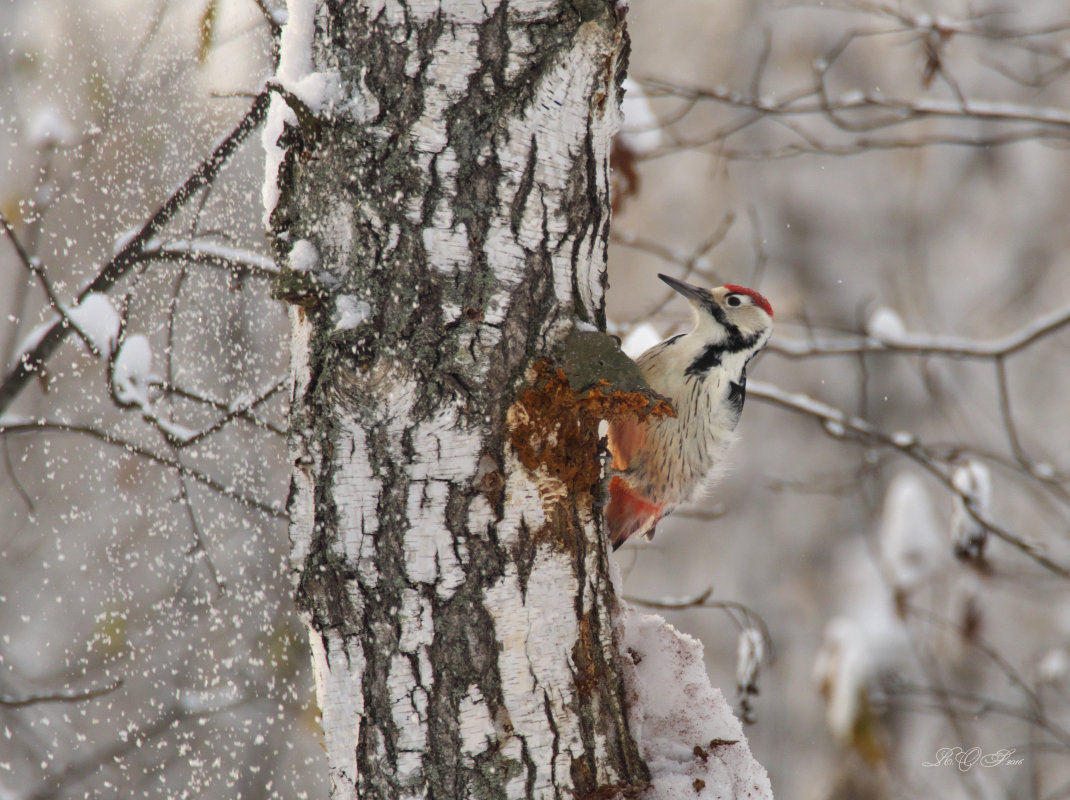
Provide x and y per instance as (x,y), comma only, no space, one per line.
(734,300)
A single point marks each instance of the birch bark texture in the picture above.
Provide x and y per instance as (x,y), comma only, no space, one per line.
(437,194)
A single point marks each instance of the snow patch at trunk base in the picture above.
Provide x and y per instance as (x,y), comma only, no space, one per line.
(687,734)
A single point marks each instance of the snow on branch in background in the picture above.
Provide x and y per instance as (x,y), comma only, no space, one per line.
(641,131)
(131,373)
(840,425)
(132,246)
(973,484)
(208,253)
(685,729)
(133,383)
(97,322)
(49,127)
(844,674)
(912,544)
(886,340)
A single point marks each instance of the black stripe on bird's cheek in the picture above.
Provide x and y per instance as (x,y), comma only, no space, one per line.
(705,361)
(735,341)
(716,312)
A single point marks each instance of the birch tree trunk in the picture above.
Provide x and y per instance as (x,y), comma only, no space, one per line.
(438,193)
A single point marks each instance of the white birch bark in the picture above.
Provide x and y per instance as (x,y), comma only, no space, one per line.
(437,187)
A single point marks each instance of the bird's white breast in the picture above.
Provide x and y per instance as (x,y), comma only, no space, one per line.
(682,454)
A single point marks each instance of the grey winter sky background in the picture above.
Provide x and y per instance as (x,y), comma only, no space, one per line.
(896,169)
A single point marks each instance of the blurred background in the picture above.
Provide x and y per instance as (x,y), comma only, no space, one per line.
(158,582)
(893,533)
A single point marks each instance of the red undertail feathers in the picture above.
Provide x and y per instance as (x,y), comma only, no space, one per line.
(628,512)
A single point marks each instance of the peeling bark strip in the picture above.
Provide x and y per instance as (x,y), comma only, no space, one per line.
(553,429)
(438,196)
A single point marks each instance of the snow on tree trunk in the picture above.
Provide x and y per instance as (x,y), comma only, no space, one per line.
(437,192)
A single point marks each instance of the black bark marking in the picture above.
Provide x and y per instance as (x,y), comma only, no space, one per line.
(530,768)
(524,556)
(523,190)
(584,211)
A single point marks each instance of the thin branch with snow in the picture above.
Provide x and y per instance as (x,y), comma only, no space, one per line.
(134,245)
(928,344)
(211,254)
(841,425)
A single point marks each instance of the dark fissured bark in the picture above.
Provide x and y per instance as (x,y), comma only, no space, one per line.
(444,205)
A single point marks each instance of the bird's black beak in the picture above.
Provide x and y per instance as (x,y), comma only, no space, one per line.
(694,293)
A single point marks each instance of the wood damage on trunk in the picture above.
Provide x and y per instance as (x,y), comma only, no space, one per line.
(438,199)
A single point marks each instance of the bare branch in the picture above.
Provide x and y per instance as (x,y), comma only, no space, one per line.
(693,262)
(239,410)
(1036,706)
(35,268)
(63,696)
(42,426)
(138,736)
(903,110)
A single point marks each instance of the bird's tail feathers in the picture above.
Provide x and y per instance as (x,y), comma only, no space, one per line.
(629,513)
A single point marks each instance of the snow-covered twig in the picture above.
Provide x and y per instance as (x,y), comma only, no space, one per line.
(208,253)
(924,344)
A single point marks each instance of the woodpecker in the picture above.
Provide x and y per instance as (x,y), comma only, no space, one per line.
(666,461)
